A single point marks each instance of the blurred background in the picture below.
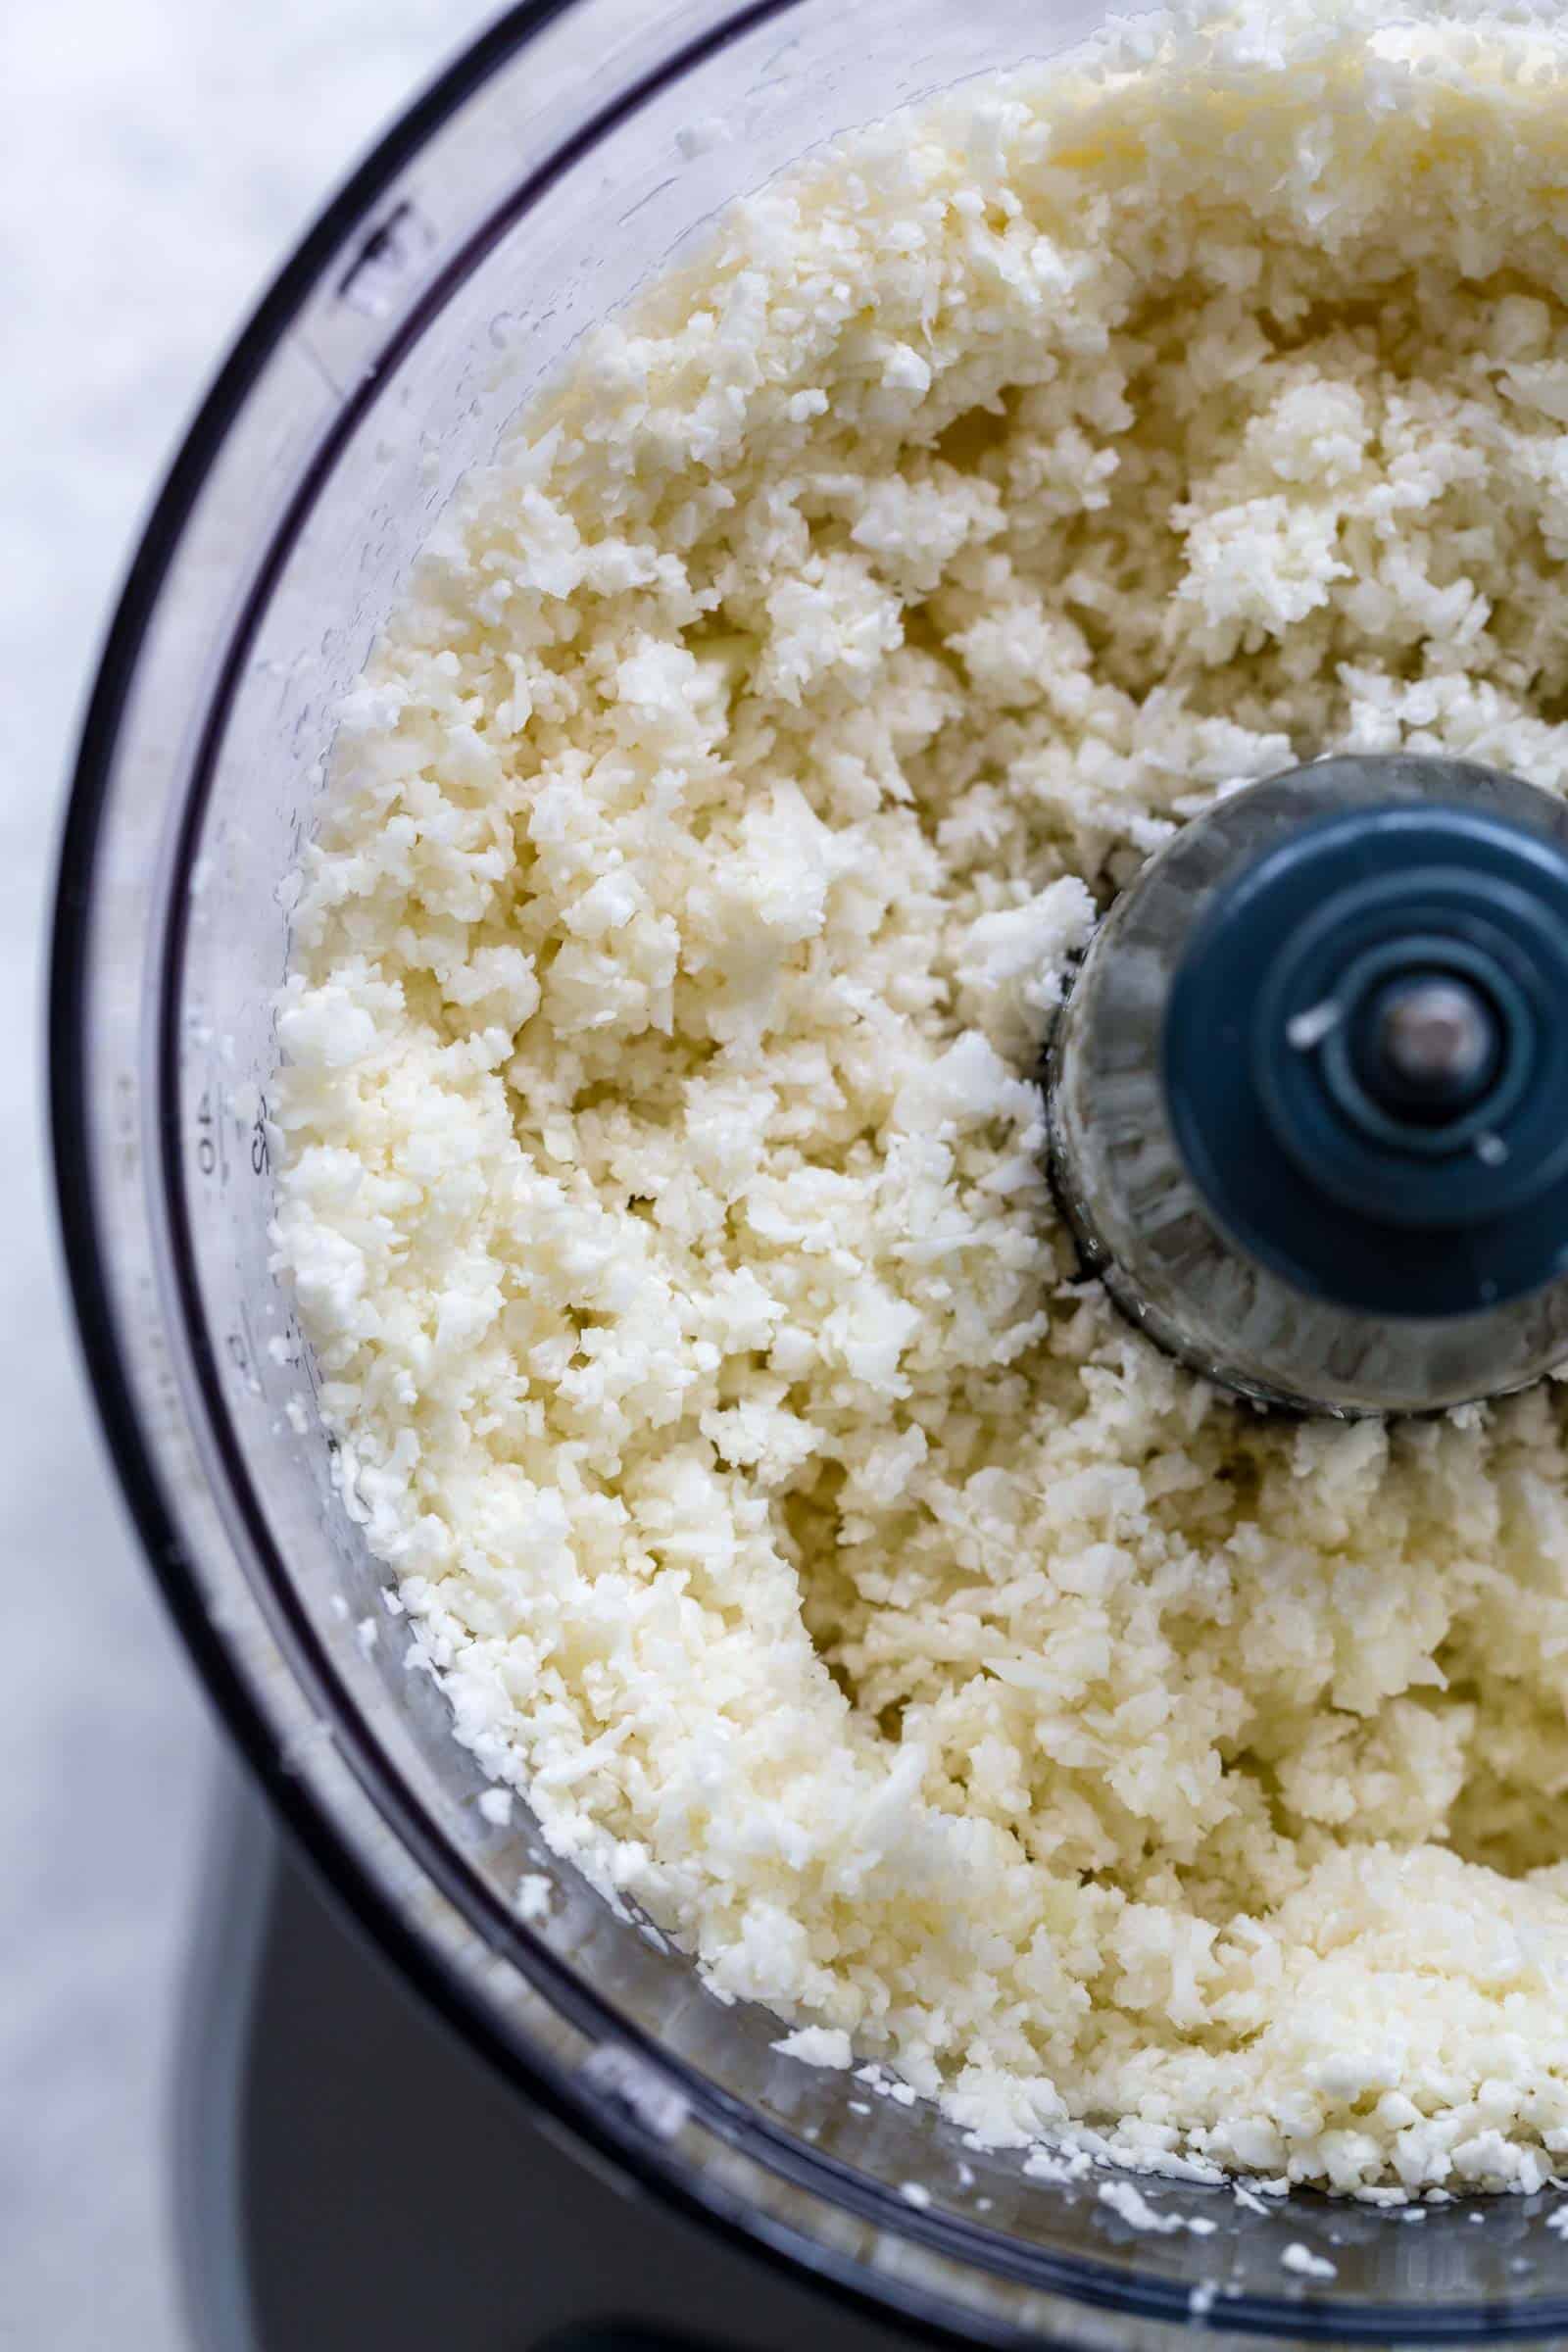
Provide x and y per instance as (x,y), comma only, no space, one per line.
(158,158)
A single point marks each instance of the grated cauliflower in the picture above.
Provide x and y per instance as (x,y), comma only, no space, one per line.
(840,1580)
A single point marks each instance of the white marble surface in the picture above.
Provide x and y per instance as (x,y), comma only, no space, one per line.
(158,157)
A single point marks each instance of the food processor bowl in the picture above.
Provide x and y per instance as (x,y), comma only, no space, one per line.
(556,165)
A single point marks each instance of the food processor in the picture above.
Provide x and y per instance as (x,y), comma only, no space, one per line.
(563,161)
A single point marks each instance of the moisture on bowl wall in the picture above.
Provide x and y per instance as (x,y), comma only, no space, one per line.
(704,850)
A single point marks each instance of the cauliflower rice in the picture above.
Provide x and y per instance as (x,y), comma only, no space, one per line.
(837,1576)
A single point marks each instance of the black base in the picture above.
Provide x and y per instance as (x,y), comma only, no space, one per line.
(350,2175)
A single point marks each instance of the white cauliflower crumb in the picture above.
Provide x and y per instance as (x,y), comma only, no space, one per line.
(1128,2201)
(705,852)
(496,1806)
(534,1898)
(817,2045)
(1307,2265)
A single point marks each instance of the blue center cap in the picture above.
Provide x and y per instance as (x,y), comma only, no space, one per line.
(1365,1059)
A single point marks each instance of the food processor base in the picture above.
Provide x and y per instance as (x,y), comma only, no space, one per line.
(350,2174)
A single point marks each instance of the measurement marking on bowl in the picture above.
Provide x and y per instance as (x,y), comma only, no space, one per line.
(384,257)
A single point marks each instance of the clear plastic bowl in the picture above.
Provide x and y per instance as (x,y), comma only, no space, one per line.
(557,165)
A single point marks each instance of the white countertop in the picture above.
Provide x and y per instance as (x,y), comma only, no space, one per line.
(157,161)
